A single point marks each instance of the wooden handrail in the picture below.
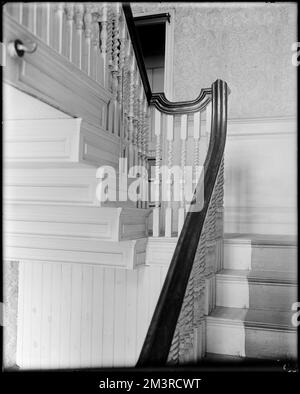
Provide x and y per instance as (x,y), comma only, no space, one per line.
(137,49)
(160,101)
(159,337)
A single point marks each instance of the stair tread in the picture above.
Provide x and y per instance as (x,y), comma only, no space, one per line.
(256,317)
(162,239)
(261,239)
(260,275)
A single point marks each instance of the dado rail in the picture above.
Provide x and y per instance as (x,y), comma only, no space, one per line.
(89,275)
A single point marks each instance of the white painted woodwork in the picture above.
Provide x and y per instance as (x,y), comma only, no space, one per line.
(72,69)
(86,251)
(254,295)
(260,172)
(85,296)
(160,250)
(156,211)
(208,120)
(184,145)
(18,105)
(251,333)
(237,255)
(183,137)
(75,315)
(210,294)
(38,141)
(232,291)
(260,252)
(45,72)
(225,337)
(197,125)
(99,147)
(56,185)
(256,289)
(58,27)
(110,224)
(69,9)
(51,140)
(169,158)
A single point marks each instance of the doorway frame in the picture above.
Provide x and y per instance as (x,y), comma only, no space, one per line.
(169,50)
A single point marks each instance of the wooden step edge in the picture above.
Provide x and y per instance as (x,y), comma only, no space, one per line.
(242,320)
(245,275)
(261,240)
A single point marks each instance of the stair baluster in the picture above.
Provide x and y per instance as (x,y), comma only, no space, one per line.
(169,179)
(183,138)
(156,210)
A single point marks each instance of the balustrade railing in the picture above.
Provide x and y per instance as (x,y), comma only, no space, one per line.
(98,41)
(182,303)
(181,138)
(94,40)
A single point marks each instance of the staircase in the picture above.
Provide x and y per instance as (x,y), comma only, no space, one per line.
(255,291)
(94,290)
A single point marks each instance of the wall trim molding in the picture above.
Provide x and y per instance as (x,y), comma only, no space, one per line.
(261,126)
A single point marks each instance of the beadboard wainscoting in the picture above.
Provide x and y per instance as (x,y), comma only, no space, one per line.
(76,315)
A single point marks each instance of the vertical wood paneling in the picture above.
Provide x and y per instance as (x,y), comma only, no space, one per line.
(142,308)
(86,316)
(46,315)
(83,316)
(26,338)
(108,313)
(119,318)
(55,314)
(76,296)
(20,317)
(36,314)
(130,325)
(97,322)
(65,320)
(154,286)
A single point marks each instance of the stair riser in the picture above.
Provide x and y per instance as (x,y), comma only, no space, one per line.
(58,141)
(60,186)
(264,257)
(274,258)
(244,294)
(123,255)
(225,339)
(109,224)
(237,340)
(272,344)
